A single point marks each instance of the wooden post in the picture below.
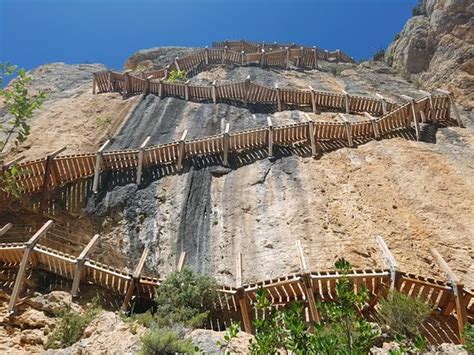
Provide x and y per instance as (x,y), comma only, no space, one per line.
(98,165)
(126,84)
(167,69)
(453,105)
(315,58)
(110,81)
(214,92)
(80,265)
(206,58)
(347,127)
(384,103)
(93,84)
(141,154)
(247,89)
(338,55)
(146,90)
(347,101)
(312,138)
(270,136)
(49,172)
(307,286)
(28,249)
(5,228)
(278,94)
(413,113)
(432,114)
(458,292)
(238,270)
(176,64)
(373,120)
(391,263)
(160,89)
(225,145)
(135,279)
(181,261)
(313,99)
(287,58)
(225,54)
(242,58)
(186,90)
(326,52)
(244,306)
(262,59)
(179,164)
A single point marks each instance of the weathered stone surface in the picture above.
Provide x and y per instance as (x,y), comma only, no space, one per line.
(207,340)
(439,46)
(155,58)
(107,334)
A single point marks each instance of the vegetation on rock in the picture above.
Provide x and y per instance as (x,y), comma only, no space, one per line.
(70,326)
(176,76)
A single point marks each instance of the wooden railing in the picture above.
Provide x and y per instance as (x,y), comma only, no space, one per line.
(236,303)
(46,174)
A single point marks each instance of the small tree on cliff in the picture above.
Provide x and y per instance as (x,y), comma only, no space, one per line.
(19,105)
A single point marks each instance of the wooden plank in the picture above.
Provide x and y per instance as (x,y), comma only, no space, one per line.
(48,172)
(389,259)
(214,92)
(98,165)
(181,151)
(278,95)
(135,279)
(303,266)
(384,103)
(453,105)
(413,112)
(313,99)
(373,120)
(312,139)
(347,101)
(457,291)
(181,261)
(24,264)
(347,128)
(244,306)
(5,228)
(80,264)
(225,144)
(270,136)
(238,270)
(141,153)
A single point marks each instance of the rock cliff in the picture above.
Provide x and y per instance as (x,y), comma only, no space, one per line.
(436,47)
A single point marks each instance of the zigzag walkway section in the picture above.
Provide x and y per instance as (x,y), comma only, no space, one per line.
(453,305)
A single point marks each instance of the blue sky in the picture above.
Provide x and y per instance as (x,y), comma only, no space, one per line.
(34,32)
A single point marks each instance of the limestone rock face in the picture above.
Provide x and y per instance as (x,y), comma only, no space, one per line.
(207,340)
(107,334)
(438,47)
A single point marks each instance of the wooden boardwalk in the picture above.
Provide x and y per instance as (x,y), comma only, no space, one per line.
(236,302)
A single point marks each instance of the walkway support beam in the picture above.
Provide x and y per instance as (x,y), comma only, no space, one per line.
(80,265)
(28,249)
(413,113)
(347,127)
(49,172)
(135,279)
(457,289)
(453,106)
(141,154)
(98,166)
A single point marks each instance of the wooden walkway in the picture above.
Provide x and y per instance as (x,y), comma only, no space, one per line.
(236,303)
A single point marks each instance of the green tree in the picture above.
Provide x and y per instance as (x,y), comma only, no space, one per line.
(20,106)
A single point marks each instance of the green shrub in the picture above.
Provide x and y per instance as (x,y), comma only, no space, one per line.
(186,298)
(403,314)
(379,55)
(469,338)
(71,325)
(164,341)
(341,331)
(176,76)
(396,37)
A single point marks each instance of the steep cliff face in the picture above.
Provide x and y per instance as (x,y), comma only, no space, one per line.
(415,194)
(436,47)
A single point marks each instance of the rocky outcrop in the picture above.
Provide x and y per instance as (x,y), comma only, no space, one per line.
(155,58)
(436,48)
